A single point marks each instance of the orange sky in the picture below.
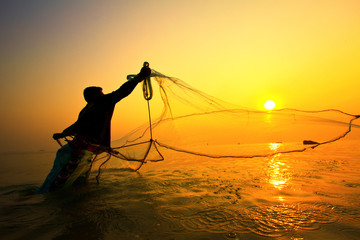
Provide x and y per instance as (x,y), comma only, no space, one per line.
(301,54)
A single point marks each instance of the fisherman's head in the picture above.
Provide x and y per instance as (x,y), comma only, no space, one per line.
(91,94)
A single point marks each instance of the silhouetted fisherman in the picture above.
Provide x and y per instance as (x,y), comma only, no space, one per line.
(91,130)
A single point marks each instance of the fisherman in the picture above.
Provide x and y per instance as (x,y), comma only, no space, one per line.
(91,133)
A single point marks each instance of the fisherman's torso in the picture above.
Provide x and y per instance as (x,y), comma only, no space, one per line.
(95,121)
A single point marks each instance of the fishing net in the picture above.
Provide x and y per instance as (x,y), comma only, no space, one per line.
(188,121)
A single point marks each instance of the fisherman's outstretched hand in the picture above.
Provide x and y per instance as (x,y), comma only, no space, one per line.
(145,71)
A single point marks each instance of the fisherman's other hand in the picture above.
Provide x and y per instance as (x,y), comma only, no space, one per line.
(56,136)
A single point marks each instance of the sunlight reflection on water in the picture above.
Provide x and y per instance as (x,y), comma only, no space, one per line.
(278,172)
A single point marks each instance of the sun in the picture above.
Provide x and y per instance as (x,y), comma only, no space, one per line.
(269,104)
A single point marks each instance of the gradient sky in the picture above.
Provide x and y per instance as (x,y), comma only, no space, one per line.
(302,54)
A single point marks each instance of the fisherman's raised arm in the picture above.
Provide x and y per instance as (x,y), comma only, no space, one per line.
(129,86)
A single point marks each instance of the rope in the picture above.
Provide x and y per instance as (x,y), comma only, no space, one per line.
(150,128)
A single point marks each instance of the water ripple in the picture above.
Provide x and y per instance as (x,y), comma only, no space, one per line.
(265,220)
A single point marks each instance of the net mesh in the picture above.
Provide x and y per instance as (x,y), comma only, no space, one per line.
(189,121)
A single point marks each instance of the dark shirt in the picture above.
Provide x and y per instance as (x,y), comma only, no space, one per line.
(94,121)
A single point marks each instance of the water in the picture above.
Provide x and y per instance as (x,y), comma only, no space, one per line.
(310,195)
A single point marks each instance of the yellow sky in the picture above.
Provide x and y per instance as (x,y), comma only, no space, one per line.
(301,54)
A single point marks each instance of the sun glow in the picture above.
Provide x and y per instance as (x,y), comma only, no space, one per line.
(269,105)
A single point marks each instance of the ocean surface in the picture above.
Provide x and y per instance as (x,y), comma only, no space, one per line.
(309,195)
